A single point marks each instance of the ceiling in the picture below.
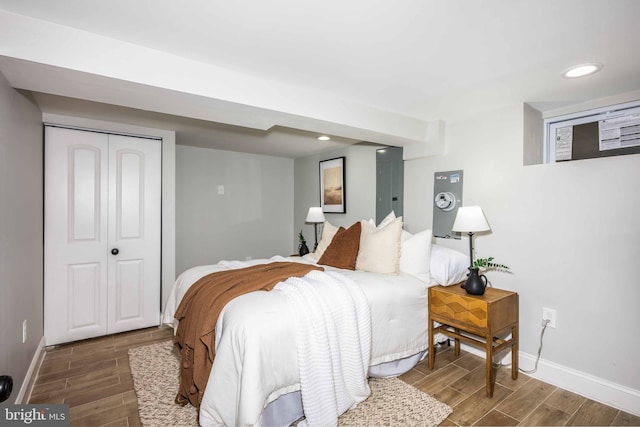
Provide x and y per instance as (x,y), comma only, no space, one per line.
(268,77)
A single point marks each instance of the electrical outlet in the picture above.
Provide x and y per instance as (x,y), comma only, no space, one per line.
(550,315)
(24,331)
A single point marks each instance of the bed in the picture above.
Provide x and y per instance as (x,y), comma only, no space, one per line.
(256,377)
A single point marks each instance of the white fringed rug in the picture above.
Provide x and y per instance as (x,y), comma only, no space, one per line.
(155,370)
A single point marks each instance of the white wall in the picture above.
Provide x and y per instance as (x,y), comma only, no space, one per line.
(21,222)
(252,218)
(360,171)
(570,232)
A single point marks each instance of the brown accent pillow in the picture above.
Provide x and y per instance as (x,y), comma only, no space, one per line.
(343,250)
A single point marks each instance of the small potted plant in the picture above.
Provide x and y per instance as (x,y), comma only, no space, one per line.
(302,246)
(476,283)
(487,264)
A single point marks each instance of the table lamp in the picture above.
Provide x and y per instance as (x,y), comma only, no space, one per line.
(315,216)
(470,219)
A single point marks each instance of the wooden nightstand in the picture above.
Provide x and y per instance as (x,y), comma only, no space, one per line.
(482,316)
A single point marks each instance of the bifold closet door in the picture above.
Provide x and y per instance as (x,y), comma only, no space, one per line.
(133,293)
(102,234)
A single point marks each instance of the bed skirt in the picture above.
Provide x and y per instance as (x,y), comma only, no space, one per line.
(287,408)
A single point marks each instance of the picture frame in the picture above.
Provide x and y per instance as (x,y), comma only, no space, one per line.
(333,196)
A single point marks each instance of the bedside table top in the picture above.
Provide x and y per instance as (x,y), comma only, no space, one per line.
(490,294)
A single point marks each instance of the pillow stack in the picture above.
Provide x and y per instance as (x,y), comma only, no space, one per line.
(385,248)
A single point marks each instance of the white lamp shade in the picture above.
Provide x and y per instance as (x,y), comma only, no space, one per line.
(470,219)
(315,215)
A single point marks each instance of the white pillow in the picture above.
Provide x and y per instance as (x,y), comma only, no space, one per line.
(328,231)
(448,266)
(380,248)
(387,220)
(415,254)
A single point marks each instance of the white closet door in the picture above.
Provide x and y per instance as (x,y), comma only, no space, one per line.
(76,197)
(134,233)
(102,192)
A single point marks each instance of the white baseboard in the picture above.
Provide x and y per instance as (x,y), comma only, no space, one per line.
(27,385)
(587,385)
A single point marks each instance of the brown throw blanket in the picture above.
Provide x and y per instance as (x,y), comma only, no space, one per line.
(199,310)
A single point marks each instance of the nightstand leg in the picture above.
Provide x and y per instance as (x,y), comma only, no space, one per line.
(432,356)
(489,370)
(456,343)
(514,352)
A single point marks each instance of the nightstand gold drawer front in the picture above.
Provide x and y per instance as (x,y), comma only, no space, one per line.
(460,308)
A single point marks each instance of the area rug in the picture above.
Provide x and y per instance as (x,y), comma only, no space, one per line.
(155,371)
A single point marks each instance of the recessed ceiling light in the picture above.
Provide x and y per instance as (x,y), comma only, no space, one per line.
(582,70)
(323,138)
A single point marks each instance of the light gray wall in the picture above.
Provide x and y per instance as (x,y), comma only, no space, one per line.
(252,218)
(569,231)
(360,165)
(21,222)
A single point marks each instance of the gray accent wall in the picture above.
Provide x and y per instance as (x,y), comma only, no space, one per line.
(252,219)
(21,232)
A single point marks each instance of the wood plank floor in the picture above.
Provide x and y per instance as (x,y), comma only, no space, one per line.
(460,383)
(94,379)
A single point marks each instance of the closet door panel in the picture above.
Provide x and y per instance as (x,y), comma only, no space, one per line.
(76,198)
(84,296)
(134,230)
(130,194)
(84,193)
(130,290)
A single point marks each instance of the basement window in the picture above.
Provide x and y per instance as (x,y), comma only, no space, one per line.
(602,132)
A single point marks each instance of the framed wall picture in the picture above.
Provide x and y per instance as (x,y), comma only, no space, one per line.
(332,186)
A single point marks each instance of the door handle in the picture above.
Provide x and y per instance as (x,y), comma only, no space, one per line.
(6,384)
(115,251)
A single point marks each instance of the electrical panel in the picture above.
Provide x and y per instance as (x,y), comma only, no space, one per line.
(447,191)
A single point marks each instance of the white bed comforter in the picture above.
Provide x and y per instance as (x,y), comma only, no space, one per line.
(256,358)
